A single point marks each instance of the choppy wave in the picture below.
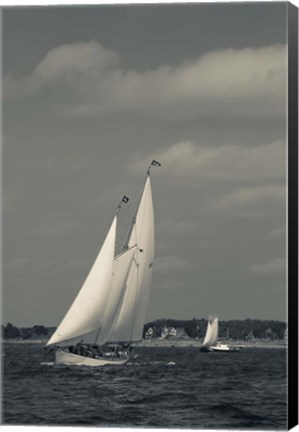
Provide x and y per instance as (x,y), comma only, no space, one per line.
(162,387)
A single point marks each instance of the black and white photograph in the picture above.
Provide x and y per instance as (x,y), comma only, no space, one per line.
(145,168)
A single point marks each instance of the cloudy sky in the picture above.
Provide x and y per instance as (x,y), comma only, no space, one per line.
(91,96)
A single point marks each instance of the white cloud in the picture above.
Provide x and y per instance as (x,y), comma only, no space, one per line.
(247,196)
(186,161)
(275,267)
(217,81)
(72,64)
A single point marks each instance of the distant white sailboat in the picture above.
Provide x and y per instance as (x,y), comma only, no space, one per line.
(110,309)
(210,343)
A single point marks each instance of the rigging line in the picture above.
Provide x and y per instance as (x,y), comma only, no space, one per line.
(123,252)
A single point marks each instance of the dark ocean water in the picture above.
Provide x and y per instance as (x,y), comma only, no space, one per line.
(201,390)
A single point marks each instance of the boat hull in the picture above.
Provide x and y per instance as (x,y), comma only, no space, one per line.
(226,350)
(219,348)
(67,358)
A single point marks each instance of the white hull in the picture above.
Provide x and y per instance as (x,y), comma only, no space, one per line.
(67,358)
(223,348)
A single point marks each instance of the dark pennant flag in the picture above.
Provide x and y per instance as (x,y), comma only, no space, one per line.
(155,163)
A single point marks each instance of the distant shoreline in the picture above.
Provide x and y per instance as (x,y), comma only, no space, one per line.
(170,343)
(197,344)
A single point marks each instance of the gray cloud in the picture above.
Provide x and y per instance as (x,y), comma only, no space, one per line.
(257,198)
(274,267)
(96,83)
(71,64)
(185,161)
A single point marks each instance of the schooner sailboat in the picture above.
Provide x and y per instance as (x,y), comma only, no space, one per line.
(109,311)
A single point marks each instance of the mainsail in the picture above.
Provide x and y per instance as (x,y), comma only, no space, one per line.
(112,302)
(212,331)
(128,324)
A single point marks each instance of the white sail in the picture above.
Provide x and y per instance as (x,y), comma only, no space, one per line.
(129,322)
(121,329)
(87,310)
(144,232)
(212,332)
(121,267)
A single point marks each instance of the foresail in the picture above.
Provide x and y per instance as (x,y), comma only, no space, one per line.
(87,310)
(129,322)
(207,335)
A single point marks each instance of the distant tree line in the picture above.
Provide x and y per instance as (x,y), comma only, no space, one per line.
(195,328)
(36,332)
(233,329)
